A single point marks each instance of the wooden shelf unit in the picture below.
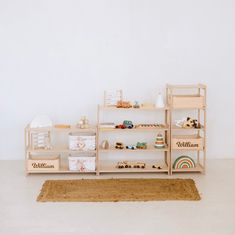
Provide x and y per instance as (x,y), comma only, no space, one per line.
(111,168)
(56,150)
(175,101)
(194,101)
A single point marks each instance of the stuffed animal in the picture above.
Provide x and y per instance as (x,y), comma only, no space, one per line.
(188,123)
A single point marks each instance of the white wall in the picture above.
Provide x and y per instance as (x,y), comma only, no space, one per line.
(57,57)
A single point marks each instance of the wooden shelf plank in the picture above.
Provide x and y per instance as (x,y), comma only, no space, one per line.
(134,129)
(141,108)
(59,150)
(174,127)
(108,168)
(53,128)
(63,169)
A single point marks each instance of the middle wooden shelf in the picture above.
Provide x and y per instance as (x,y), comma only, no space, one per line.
(151,137)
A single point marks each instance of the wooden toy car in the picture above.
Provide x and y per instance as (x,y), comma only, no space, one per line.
(120,126)
(141,145)
(119,145)
(127,164)
(123,164)
(156,166)
(123,104)
(128,124)
(133,147)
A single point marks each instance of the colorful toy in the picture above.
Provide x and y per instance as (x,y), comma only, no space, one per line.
(133,147)
(127,164)
(128,124)
(188,123)
(184,162)
(119,145)
(136,105)
(159,143)
(120,126)
(141,145)
(123,104)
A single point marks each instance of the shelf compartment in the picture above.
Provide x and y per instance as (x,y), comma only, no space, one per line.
(141,108)
(59,150)
(43,164)
(149,149)
(187,142)
(198,168)
(174,127)
(63,169)
(133,129)
(111,168)
(188,101)
(92,129)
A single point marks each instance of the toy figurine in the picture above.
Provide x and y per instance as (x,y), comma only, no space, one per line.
(136,105)
(83,123)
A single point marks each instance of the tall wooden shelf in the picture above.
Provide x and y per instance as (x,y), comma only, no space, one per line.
(194,99)
(111,167)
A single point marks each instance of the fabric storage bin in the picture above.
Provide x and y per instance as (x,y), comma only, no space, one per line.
(82,141)
(50,163)
(82,163)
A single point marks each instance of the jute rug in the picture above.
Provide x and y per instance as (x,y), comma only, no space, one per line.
(114,190)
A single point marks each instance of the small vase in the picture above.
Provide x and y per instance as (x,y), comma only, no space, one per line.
(159,101)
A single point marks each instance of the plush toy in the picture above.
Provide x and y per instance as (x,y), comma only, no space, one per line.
(188,123)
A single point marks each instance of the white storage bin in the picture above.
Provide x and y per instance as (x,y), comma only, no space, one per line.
(82,141)
(82,164)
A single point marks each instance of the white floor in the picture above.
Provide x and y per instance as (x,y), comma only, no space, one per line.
(21,214)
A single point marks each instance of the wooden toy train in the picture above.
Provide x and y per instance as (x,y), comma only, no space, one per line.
(128,164)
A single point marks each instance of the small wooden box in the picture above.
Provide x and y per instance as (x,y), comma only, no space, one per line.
(44,163)
(189,142)
(188,101)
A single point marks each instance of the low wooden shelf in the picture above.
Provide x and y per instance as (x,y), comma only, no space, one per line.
(111,168)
